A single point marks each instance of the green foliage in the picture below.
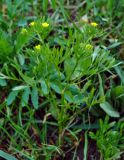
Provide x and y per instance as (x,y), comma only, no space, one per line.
(3,82)
(109,138)
(44,65)
(59,75)
(6,156)
(109,109)
(5,46)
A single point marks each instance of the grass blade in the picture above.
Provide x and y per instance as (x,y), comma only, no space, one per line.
(85,146)
(6,156)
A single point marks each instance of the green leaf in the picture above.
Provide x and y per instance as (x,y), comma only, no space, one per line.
(109,109)
(115,45)
(56,87)
(25,97)
(117,92)
(68,96)
(79,98)
(22,23)
(44,87)
(5,46)
(53,4)
(34,97)
(74,89)
(45,6)
(11,97)
(22,40)
(6,156)
(69,66)
(120,73)
(92,135)
(19,88)
(95,53)
(27,79)
(3,82)
(21,59)
(101,89)
(86,146)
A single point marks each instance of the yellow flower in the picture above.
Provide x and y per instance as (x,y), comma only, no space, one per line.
(23,31)
(45,24)
(89,47)
(37,47)
(32,23)
(94,24)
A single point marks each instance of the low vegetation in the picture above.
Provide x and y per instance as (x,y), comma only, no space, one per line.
(61,80)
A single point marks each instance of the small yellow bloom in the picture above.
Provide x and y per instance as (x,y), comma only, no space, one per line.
(94,24)
(23,31)
(32,23)
(89,47)
(37,47)
(45,24)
